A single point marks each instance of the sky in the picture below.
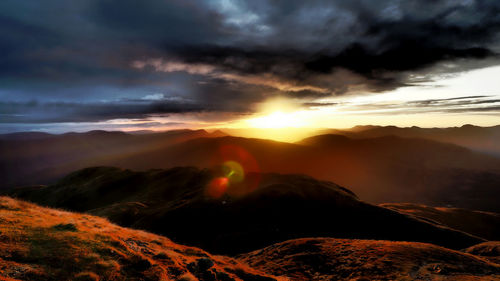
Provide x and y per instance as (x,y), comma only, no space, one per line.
(167,64)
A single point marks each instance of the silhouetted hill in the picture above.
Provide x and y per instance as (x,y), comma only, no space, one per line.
(25,136)
(481,224)
(261,210)
(408,170)
(217,133)
(326,140)
(378,170)
(486,139)
(338,259)
(45,244)
(34,158)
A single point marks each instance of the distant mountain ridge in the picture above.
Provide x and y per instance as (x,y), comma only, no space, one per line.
(485,139)
(33,158)
(377,169)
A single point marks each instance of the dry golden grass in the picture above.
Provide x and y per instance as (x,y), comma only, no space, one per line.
(489,250)
(46,244)
(38,243)
(347,259)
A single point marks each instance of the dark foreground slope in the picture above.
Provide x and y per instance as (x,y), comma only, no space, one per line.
(337,259)
(482,224)
(45,244)
(261,210)
(489,250)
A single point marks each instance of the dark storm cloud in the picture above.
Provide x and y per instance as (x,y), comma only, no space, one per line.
(45,112)
(226,55)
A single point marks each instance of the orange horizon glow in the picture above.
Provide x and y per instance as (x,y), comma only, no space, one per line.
(286,119)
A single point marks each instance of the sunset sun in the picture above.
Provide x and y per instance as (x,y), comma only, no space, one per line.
(277,120)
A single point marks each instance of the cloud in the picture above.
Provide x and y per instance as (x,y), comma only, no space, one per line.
(45,112)
(318,104)
(465,104)
(173,66)
(89,126)
(383,42)
(224,55)
(263,79)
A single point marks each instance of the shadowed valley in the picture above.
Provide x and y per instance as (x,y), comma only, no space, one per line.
(261,210)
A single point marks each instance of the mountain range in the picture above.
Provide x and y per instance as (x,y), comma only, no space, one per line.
(484,139)
(378,169)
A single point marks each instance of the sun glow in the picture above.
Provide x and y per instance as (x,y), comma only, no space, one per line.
(278,113)
(277,120)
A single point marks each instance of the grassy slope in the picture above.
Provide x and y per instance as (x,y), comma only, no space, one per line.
(45,244)
(489,250)
(338,259)
(38,243)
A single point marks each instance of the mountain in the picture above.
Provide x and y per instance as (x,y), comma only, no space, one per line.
(481,224)
(289,134)
(45,244)
(261,210)
(396,169)
(33,158)
(25,136)
(339,259)
(385,169)
(378,170)
(485,139)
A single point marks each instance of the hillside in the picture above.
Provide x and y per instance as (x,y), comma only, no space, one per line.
(261,210)
(38,243)
(34,158)
(488,250)
(338,259)
(45,244)
(396,169)
(481,224)
(378,170)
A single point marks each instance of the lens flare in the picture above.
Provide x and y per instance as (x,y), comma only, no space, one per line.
(233,171)
(217,187)
(236,170)
(239,155)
